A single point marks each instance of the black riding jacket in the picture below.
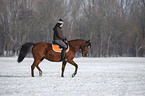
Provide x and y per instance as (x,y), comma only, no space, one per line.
(58,35)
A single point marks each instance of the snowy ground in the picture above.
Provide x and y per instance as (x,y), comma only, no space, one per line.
(96,77)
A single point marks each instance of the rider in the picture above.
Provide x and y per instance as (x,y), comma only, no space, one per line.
(59,39)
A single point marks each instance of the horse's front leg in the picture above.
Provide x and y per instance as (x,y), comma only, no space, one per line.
(76,67)
(63,68)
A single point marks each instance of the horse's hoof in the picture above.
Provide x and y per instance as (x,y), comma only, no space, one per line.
(73,75)
(40,74)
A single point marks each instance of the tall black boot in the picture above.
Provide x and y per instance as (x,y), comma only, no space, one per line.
(63,53)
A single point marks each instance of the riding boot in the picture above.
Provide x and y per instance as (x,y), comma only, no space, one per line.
(63,53)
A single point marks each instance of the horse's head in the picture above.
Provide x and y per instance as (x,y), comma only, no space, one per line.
(86,48)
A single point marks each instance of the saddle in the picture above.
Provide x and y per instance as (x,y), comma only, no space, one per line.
(57,48)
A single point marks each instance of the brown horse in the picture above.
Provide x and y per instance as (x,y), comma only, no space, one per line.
(43,50)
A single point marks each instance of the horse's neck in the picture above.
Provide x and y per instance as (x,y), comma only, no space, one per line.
(76,45)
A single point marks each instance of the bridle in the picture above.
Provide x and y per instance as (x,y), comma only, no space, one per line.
(84,48)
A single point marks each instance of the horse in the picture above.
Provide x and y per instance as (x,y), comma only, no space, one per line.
(43,50)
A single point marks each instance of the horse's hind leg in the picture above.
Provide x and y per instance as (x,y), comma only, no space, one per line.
(40,71)
(35,64)
(32,69)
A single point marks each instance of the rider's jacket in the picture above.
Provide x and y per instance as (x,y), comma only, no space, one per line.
(58,35)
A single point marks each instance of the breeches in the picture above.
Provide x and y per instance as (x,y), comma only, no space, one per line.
(61,43)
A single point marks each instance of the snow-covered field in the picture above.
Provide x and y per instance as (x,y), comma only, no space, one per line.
(96,77)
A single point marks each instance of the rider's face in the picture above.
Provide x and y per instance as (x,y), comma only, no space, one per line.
(61,25)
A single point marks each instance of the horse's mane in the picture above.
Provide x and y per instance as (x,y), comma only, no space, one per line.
(76,40)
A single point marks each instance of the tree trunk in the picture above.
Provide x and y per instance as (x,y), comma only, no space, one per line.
(108,43)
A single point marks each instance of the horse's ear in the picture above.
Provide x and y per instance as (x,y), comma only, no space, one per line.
(89,42)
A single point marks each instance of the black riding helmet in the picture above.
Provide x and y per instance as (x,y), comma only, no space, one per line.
(60,22)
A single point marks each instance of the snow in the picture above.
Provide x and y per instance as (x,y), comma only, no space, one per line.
(122,76)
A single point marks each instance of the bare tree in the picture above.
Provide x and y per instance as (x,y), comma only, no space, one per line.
(115,27)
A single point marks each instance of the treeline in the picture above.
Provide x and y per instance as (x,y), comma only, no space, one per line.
(115,27)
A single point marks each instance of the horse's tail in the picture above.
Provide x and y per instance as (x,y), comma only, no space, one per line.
(24,51)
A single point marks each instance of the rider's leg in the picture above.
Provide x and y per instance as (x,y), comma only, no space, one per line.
(63,52)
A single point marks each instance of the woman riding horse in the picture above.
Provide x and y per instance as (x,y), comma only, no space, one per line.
(59,39)
(44,50)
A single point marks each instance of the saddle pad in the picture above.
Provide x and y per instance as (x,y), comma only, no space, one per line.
(56,48)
